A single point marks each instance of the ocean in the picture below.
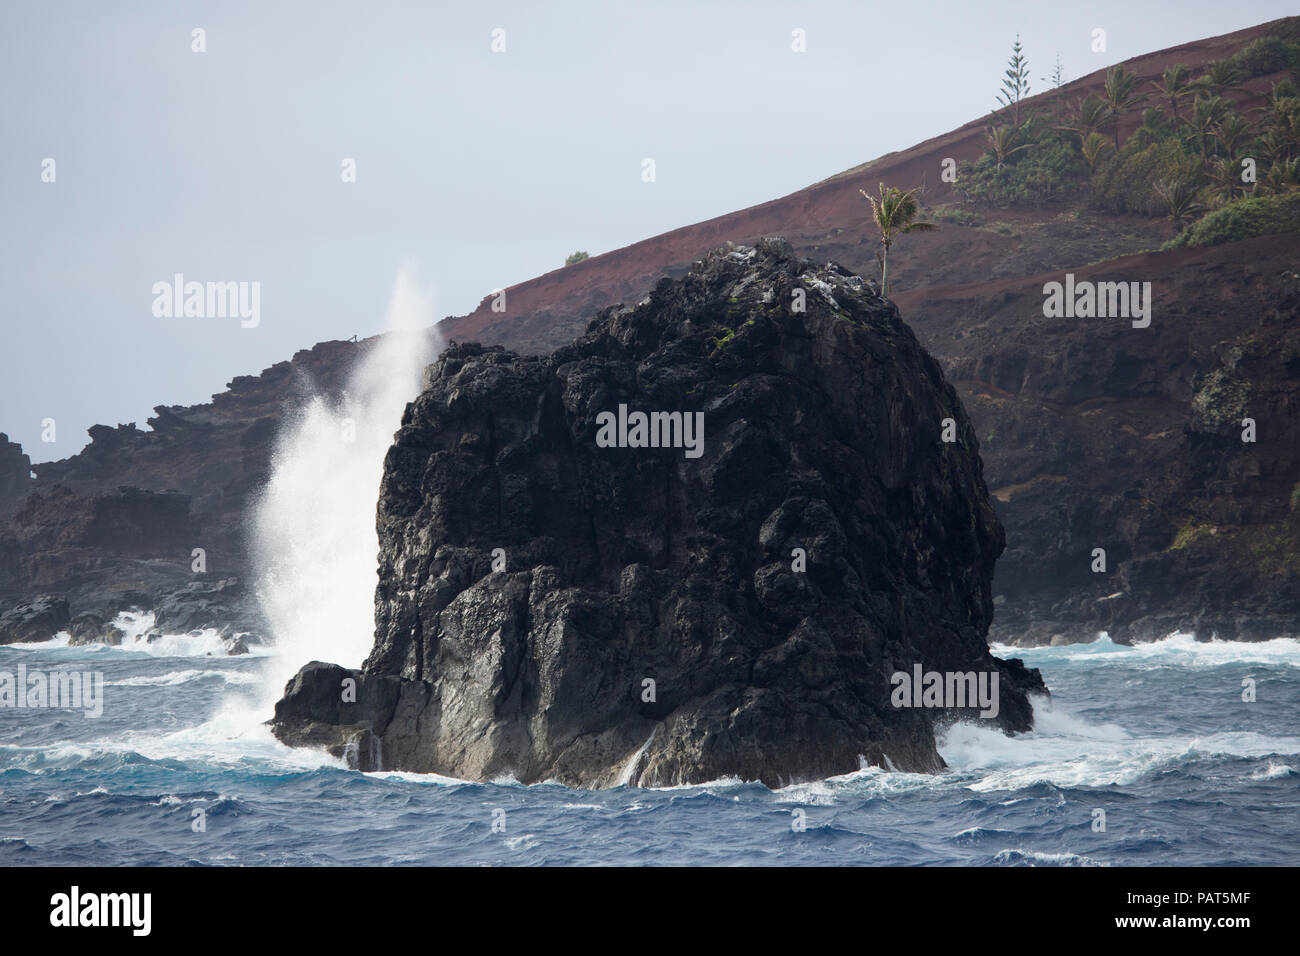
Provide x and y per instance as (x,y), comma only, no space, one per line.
(1144,755)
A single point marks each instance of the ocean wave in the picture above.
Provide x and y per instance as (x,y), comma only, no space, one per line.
(1017,856)
(59,640)
(1176,650)
(407,776)
(234,738)
(175,678)
(1065,751)
(1274,771)
(139,636)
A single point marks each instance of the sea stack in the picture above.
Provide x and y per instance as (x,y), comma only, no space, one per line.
(670,607)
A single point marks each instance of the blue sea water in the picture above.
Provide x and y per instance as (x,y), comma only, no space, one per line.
(1156,736)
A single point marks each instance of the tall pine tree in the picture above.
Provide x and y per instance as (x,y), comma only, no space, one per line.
(1016,85)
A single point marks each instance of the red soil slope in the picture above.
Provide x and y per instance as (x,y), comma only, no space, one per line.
(830,220)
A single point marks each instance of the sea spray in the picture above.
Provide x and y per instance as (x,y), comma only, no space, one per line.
(315,544)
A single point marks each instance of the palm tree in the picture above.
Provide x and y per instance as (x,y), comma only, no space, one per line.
(1005,141)
(1281,112)
(1233,132)
(1093,147)
(1225,174)
(1154,127)
(1178,193)
(1120,91)
(1276,146)
(1174,85)
(1205,119)
(1283,176)
(1220,77)
(1091,114)
(893,211)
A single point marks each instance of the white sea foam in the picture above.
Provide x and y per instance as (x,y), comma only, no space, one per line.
(59,640)
(1023,857)
(1067,751)
(315,543)
(525,841)
(175,678)
(1274,771)
(141,636)
(407,776)
(1177,650)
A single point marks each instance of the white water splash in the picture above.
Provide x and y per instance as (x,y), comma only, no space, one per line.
(1176,650)
(315,544)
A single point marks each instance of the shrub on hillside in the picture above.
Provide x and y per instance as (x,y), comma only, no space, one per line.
(1270,54)
(952,214)
(1125,182)
(1243,219)
(1050,169)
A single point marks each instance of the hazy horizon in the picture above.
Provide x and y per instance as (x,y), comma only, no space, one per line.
(487,168)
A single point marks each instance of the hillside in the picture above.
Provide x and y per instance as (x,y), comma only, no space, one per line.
(830,220)
(1094,434)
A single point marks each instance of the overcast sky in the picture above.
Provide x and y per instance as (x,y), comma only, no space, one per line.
(485,168)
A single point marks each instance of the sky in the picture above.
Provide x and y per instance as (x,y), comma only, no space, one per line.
(483,167)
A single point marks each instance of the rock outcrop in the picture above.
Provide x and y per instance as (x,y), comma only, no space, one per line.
(15,475)
(552,608)
(34,621)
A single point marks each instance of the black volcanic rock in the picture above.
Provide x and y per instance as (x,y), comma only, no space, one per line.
(532,584)
(38,620)
(16,480)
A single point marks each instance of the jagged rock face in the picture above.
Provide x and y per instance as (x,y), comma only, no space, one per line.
(15,474)
(618,566)
(35,620)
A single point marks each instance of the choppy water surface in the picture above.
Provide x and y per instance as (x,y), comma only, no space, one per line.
(1156,736)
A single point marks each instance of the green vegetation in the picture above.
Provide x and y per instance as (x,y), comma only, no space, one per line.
(1138,180)
(1190,533)
(1015,86)
(1049,169)
(720,341)
(894,211)
(576,257)
(1274,548)
(1255,216)
(955,215)
(1197,158)
(1271,54)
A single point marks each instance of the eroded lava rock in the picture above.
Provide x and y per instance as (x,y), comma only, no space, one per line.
(532,583)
